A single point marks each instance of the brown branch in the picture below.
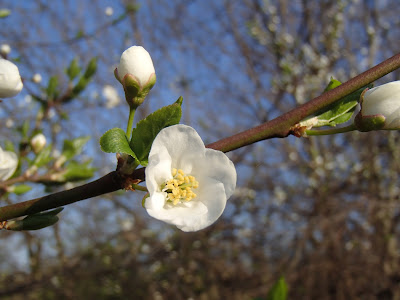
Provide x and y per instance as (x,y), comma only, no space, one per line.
(279,127)
(109,183)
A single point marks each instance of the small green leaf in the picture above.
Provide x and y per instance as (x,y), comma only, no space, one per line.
(52,87)
(4,13)
(332,84)
(91,68)
(24,129)
(147,129)
(77,171)
(278,291)
(115,141)
(9,146)
(43,157)
(73,147)
(35,221)
(52,212)
(19,189)
(78,88)
(340,111)
(342,119)
(73,69)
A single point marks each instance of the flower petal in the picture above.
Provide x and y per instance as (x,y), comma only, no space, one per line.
(159,169)
(183,144)
(8,164)
(218,166)
(10,80)
(136,61)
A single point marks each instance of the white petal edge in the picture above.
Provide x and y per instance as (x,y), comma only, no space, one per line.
(183,144)
(8,164)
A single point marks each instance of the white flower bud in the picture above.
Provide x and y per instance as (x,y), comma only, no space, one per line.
(137,62)
(381,101)
(5,49)
(111,96)
(10,80)
(37,78)
(8,164)
(109,11)
(38,142)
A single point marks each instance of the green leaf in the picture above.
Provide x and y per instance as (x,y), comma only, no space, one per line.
(73,147)
(52,87)
(147,129)
(332,84)
(340,111)
(78,88)
(91,68)
(52,212)
(73,69)
(4,12)
(19,189)
(9,146)
(32,223)
(24,129)
(35,221)
(43,158)
(83,80)
(115,141)
(278,291)
(77,171)
(342,119)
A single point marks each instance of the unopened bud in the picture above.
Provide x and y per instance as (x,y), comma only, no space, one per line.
(136,73)
(5,49)
(380,108)
(38,142)
(10,80)
(37,78)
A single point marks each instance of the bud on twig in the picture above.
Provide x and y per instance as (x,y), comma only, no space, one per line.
(380,108)
(136,73)
(38,142)
(10,80)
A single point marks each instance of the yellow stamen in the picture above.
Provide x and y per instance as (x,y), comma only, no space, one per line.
(179,188)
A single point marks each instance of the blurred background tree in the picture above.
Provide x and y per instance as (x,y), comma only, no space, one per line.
(323,212)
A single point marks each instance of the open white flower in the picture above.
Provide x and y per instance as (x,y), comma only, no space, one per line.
(10,80)
(137,62)
(383,100)
(8,164)
(188,183)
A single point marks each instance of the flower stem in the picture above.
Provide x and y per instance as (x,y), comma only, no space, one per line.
(139,188)
(132,111)
(331,131)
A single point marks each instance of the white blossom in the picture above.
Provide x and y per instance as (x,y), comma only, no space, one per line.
(8,164)
(111,96)
(188,183)
(37,78)
(5,49)
(137,62)
(109,11)
(383,100)
(10,80)
(38,142)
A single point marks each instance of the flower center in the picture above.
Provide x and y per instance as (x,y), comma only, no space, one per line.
(179,188)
